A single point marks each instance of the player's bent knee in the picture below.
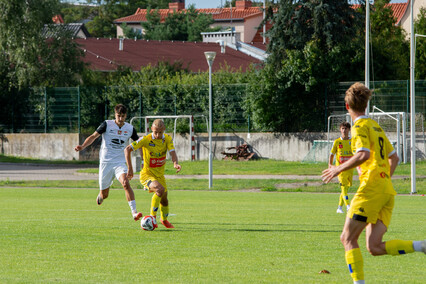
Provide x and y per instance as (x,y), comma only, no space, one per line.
(159,190)
(374,250)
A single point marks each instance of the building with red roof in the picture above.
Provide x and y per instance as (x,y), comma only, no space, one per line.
(245,19)
(105,54)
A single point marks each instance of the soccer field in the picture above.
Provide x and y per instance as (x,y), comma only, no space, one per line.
(61,235)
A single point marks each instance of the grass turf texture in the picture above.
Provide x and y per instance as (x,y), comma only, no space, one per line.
(264,167)
(13,159)
(402,186)
(57,235)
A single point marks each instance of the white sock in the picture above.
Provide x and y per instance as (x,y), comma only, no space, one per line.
(132,204)
(417,245)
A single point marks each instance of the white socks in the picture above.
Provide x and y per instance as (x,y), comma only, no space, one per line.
(417,245)
(132,204)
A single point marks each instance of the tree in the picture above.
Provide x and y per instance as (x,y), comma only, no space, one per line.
(109,10)
(298,22)
(390,47)
(31,59)
(420,28)
(129,32)
(181,25)
(308,51)
(77,13)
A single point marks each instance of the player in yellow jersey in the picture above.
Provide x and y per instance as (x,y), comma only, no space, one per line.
(372,205)
(343,151)
(155,147)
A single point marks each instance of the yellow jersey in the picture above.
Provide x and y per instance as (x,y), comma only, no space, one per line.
(342,149)
(367,135)
(154,153)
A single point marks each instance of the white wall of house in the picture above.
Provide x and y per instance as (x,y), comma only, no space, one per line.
(133,26)
(250,27)
(405,22)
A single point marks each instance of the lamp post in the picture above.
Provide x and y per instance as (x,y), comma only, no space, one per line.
(210,55)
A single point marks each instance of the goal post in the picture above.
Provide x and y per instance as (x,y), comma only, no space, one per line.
(147,118)
(393,123)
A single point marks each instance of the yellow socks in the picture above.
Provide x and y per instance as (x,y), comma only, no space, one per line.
(398,247)
(155,202)
(355,264)
(344,196)
(164,212)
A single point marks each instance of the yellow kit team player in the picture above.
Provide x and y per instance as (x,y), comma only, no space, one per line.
(155,147)
(343,151)
(371,207)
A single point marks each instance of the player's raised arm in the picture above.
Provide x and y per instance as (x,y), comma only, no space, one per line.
(89,140)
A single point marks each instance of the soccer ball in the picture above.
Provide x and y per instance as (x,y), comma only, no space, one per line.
(148,223)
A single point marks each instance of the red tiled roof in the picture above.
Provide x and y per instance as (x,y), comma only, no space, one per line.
(217,13)
(103,54)
(398,9)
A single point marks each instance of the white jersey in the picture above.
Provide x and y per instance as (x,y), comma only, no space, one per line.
(114,140)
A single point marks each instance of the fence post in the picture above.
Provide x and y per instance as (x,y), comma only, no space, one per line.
(408,96)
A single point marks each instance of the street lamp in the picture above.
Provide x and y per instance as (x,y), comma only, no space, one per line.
(210,55)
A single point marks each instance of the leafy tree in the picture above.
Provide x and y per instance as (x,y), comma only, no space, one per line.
(77,13)
(31,59)
(298,22)
(309,43)
(390,48)
(130,33)
(109,10)
(420,28)
(181,25)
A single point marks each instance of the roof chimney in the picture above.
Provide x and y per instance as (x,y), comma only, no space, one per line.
(120,45)
(176,5)
(222,44)
(241,5)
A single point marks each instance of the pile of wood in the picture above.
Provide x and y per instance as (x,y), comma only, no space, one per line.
(242,153)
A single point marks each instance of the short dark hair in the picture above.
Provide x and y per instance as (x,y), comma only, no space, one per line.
(345,124)
(121,109)
(357,97)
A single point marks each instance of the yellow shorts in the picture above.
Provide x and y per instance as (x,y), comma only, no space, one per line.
(146,179)
(345,178)
(369,207)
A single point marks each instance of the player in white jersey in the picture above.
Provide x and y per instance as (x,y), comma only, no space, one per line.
(115,137)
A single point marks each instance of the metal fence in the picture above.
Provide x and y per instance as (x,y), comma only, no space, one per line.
(82,109)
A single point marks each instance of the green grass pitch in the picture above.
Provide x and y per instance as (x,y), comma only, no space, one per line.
(61,235)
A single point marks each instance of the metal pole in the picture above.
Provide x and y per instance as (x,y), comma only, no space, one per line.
(367,50)
(210,55)
(264,24)
(45,110)
(412,107)
(210,128)
(79,110)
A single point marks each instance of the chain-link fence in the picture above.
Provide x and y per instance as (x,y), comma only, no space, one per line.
(82,109)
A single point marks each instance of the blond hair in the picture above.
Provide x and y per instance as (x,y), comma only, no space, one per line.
(159,123)
(357,97)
